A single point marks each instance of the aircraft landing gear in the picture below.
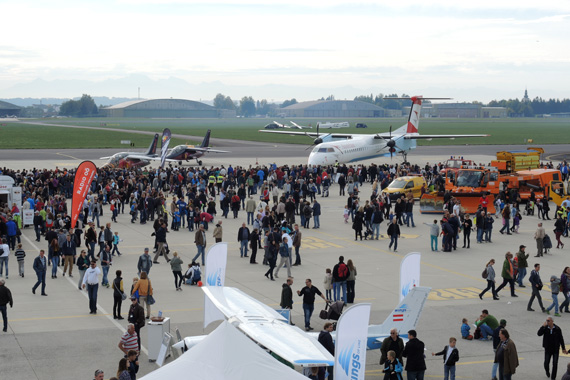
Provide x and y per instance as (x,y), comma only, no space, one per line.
(180,162)
(199,162)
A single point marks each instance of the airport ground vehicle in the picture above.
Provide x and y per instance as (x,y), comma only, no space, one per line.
(401,185)
(516,160)
(472,182)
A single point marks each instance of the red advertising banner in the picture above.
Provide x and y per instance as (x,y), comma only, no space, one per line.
(83,178)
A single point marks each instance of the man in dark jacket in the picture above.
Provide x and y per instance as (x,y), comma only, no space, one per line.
(161,241)
(136,317)
(394,233)
(536,284)
(325,338)
(414,351)
(38,224)
(552,339)
(287,297)
(392,343)
(243,239)
(5,299)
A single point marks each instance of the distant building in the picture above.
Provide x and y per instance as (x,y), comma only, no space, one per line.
(460,110)
(333,109)
(9,109)
(164,108)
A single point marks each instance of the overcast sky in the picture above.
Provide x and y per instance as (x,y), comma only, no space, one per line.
(467,50)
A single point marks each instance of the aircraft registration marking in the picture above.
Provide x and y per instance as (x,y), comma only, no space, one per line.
(311,242)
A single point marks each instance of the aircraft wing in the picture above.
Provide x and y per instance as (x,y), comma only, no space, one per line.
(268,328)
(417,137)
(313,134)
(206,150)
(139,156)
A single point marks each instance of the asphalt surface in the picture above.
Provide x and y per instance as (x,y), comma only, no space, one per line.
(56,337)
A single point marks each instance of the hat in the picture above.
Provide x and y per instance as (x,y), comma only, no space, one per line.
(133,297)
(522,246)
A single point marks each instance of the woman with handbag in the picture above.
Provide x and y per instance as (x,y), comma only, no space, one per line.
(144,287)
(118,295)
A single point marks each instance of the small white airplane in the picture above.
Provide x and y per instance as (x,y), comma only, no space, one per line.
(347,147)
(328,125)
(272,331)
(278,125)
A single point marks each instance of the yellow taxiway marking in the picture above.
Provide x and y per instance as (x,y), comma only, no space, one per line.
(311,242)
(463,294)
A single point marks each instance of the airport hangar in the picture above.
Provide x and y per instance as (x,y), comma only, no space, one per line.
(165,108)
(9,109)
(333,109)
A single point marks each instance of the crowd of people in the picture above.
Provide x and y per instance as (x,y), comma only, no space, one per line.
(271,198)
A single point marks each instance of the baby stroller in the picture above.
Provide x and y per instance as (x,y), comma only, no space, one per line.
(529,208)
(546,243)
(333,311)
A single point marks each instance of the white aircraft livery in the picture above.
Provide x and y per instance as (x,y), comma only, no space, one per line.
(346,147)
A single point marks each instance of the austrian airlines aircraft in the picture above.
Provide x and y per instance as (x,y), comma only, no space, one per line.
(345,147)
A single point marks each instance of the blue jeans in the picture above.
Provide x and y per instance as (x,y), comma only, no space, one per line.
(376,230)
(316,221)
(433,242)
(479,235)
(394,241)
(4,263)
(494,370)
(308,310)
(410,217)
(243,248)
(520,277)
(485,330)
(337,286)
(92,292)
(250,216)
(54,265)
(105,269)
(91,250)
(554,303)
(448,372)
(200,252)
(41,280)
(415,375)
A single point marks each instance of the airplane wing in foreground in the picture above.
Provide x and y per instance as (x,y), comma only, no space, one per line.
(268,328)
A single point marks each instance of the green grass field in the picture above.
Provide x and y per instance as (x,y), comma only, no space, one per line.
(15,135)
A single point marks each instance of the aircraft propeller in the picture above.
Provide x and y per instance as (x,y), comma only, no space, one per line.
(391,144)
(317,141)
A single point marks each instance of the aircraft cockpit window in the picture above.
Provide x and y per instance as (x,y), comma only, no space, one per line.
(330,150)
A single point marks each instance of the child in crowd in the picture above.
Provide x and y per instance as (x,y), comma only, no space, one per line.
(555,289)
(465,328)
(392,367)
(450,357)
(328,283)
(346,213)
(176,219)
(116,241)
(190,218)
(20,254)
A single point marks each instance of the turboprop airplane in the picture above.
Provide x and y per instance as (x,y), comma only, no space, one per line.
(277,125)
(132,159)
(187,152)
(271,330)
(347,147)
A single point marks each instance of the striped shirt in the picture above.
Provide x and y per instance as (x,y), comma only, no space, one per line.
(130,342)
(20,254)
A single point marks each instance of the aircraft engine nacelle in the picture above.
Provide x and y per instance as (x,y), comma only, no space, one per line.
(322,139)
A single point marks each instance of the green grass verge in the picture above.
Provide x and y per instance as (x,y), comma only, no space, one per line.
(502,131)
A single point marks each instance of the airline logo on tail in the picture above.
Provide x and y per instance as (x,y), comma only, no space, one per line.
(414,118)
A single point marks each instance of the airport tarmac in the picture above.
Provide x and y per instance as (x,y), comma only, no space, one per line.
(56,337)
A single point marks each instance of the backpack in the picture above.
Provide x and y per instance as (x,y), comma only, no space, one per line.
(196,275)
(485,273)
(342,271)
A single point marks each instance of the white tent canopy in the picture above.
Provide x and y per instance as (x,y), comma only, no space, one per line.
(225,354)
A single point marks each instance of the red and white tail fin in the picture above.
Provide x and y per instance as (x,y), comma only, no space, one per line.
(413,124)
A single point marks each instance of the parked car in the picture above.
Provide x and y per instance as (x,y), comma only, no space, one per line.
(361,125)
